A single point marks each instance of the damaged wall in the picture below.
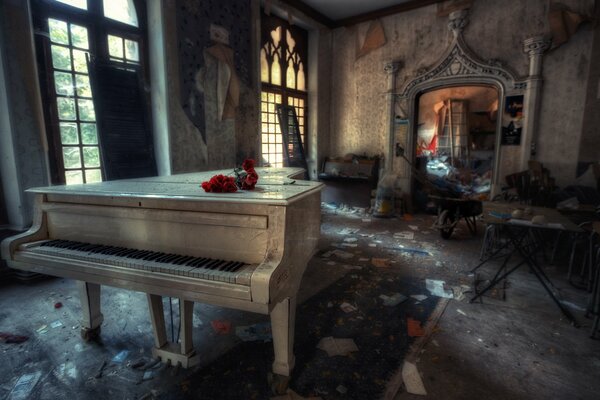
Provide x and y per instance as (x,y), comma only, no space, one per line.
(496,30)
(199,139)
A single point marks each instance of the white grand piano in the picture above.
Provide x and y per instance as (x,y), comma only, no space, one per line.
(166,237)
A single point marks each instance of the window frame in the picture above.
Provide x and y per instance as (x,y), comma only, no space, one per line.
(268,24)
(99,27)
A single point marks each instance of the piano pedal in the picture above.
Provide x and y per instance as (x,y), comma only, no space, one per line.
(89,334)
(279,383)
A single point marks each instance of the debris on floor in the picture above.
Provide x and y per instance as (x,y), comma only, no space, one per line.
(56,324)
(413,251)
(12,338)
(349,231)
(337,347)
(414,327)
(100,370)
(342,389)
(42,329)
(393,300)
(381,262)
(459,292)
(414,227)
(342,254)
(120,357)
(408,235)
(24,386)
(458,310)
(221,327)
(291,395)
(256,332)
(347,307)
(58,304)
(412,379)
(418,297)
(436,288)
(351,240)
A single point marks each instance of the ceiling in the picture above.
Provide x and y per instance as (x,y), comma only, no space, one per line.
(341,9)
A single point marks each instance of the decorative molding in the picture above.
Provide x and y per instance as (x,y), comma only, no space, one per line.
(536,45)
(458,21)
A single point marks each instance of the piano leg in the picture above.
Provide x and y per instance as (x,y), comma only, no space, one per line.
(283,318)
(169,352)
(92,318)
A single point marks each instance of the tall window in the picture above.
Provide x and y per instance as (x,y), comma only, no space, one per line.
(283,61)
(68,33)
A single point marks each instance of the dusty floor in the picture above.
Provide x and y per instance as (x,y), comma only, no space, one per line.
(520,348)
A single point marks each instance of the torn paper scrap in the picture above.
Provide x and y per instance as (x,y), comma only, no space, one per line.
(349,231)
(404,235)
(418,297)
(380,262)
(458,310)
(350,240)
(256,332)
(393,300)
(337,347)
(436,288)
(347,307)
(414,327)
(414,227)
(412,379)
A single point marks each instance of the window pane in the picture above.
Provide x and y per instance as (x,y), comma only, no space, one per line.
(115,46)
(63,83)
(73,177)
(82,83)
(91,157)
(121,10)
(88,134)
(86,110)
(301,80)
(132,51)
(80,61)
(276,71)
(58,31)
(68,133)
(79,37)
(290,80)
(66,108)
(75,3)
(61,58)
(93,175)
(71,157)
(264,66)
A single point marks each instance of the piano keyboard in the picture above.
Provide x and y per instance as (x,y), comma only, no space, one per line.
(152,261)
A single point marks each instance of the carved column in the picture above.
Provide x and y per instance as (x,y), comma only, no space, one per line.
(535,46)
(391,69)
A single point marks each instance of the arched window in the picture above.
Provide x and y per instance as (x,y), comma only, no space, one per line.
(283,58)
(68,32)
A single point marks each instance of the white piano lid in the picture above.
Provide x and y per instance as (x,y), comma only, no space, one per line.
(274,187)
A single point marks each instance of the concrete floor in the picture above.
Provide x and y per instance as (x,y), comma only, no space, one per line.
(520,348)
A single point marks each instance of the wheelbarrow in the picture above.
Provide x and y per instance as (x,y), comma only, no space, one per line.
(451,210)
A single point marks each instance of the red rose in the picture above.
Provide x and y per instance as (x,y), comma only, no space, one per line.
(248,165)
(207,186)
(229,186)
(250,180)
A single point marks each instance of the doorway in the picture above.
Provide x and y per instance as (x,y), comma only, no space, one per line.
(456,142)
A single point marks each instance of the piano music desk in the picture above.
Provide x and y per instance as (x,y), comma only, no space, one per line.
(166,237)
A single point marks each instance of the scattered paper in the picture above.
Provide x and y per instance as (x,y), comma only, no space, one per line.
(366,220)
(418,297)
(414,251)
(435,343)
(342,389)
(393,300)
(459,292)
(372,245)
(439,264)
(121,356)
(414,227)
(380,262)
(221,327)
(347,307)
(412,379)
(458,310)
(404,235)
(24,386)
(351,240)
(56,324)
(436,288)
(256,332)
(337,347)
(42,329)
(350,244)
(414,327)
(349,231)
(363,259)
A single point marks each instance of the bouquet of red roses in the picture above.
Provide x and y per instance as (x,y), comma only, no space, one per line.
(245,179)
